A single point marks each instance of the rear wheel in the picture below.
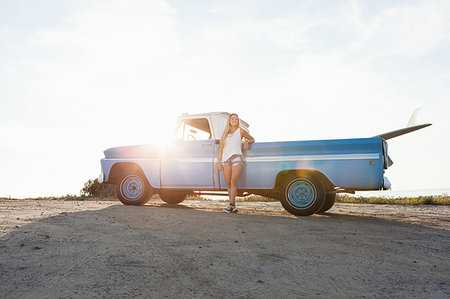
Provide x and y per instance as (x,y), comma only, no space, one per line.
(172,197)
(329,202)
(132,188)
(302,195)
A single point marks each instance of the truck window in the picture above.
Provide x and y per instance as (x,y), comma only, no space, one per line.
(194,129)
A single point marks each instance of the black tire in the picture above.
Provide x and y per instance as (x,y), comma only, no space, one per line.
(172,197)
(302,195)
(330,198)
(132,188)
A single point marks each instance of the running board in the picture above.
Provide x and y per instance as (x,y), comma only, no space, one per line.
(342,190)
(219,193)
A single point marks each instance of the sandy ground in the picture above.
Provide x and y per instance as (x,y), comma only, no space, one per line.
(105,249)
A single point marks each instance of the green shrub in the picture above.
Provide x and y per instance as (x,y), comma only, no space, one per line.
(426,200)
(93,188)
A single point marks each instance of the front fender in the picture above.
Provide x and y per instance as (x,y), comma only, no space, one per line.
(150,168)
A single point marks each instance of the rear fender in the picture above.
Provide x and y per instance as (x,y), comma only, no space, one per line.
(282,175)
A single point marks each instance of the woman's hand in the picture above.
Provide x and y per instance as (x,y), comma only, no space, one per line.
(219,166)
(245,147)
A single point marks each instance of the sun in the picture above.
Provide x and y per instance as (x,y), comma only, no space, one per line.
(162,129)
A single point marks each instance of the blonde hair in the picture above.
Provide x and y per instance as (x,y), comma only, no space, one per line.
(226,131)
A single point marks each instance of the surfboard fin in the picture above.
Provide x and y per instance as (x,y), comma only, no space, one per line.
(410,127)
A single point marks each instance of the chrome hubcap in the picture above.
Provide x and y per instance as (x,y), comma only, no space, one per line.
(301,193)
(132,187)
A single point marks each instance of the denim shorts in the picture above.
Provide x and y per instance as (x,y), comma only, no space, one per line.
(233,161)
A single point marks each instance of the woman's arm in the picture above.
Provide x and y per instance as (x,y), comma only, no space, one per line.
(219,157)
(248,139)
(247,136)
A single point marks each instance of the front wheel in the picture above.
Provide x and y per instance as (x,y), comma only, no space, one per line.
(133,188)
(302,195)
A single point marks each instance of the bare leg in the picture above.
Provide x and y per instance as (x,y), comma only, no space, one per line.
(227,175)
(235,173)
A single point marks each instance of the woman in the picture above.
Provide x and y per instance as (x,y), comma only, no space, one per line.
(230,158)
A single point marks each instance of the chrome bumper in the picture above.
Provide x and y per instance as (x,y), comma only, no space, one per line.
(101,177)
(386,183)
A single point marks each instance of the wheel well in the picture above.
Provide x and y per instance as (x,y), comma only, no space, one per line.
(302,172)
(121,167)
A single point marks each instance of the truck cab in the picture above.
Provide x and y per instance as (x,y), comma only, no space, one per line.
(202,126)
(191,160)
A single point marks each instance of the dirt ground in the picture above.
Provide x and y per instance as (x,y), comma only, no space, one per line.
(105,249)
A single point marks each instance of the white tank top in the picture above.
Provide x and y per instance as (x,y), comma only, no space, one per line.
(232,145)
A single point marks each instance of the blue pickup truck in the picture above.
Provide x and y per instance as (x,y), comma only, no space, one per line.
(304,175)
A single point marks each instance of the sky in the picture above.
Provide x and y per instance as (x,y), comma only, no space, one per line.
(78,77)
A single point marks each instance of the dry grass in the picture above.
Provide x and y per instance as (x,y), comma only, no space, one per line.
(420,200)
(254,197)
(64,197)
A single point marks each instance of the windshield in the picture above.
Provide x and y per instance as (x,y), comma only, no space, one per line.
(193,129)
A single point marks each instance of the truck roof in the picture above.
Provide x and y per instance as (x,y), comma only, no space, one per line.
(224,114)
